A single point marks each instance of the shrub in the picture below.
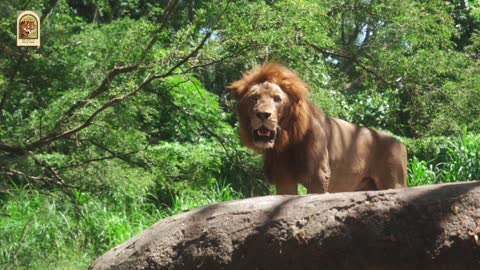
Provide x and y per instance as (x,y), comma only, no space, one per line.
(432,149)
(463,159)
(457,159)
(421,173)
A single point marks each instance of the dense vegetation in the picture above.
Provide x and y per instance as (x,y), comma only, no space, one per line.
(120,118)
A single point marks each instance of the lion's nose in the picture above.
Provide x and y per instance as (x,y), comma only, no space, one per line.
(263,115)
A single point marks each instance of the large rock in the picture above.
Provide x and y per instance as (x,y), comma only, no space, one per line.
(429,227)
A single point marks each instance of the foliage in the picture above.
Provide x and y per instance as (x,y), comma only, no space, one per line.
(121,116)
(421,172)
(431,149)
(459,162)
(463,159)
(41,231)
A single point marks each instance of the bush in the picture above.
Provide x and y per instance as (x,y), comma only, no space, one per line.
(463,159)
(376,109)
(431,149)
(459,160)
(421,172)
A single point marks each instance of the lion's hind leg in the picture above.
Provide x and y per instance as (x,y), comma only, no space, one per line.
(393,174)
(366,184)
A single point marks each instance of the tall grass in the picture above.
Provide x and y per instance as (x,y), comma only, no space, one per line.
(463,159)
(421,173)
(48,231)
(45,231)
(218,191)
(462,163)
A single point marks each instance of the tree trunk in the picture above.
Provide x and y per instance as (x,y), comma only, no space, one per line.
(428,227)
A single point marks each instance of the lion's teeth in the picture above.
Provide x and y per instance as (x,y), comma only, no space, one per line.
(266,133)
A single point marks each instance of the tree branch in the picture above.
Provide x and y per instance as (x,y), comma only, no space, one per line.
(48,9)
(213,62)
(166,15)
(198,120)
(11,149)
(352,59)
(122,156)
(112,156)
(56,136)
(184,59)
(104,86)
(22,237)
(30,179)
(53,171)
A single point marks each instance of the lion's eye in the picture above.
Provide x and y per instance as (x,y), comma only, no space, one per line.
(254,98)
(277,98)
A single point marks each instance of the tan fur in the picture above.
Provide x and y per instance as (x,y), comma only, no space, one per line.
(323,153)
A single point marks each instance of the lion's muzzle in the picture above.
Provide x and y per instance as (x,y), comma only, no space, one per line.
(263,115)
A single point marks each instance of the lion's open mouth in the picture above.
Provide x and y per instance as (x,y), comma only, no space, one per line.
(263,134)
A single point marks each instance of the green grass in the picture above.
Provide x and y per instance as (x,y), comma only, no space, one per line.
(37,231)
(218,191)
(421,173)
(47,231)
(461,163)
(463,159)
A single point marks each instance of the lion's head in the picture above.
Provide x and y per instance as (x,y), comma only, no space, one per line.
(272,107)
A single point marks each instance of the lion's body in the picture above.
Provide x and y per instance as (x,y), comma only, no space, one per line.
(347,157)
(323,153)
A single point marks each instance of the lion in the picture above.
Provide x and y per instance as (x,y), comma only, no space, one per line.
(27,29)
(302,145)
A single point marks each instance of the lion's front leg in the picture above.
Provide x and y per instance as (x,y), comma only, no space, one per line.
(320,181)
(286,186)
(318,185)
